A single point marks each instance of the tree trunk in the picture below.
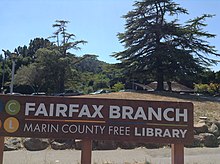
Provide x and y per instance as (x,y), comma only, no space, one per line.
(169,86)
(62,81)
(62,73)
(160,80)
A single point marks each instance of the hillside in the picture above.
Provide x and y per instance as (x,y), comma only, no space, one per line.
(203,106)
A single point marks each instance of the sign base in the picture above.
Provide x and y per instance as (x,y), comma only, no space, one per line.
(2,139)
(86,153)
(177,153)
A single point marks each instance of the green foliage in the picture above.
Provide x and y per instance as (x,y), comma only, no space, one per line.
(50,67)
(214,88)
(207,77)
(100,81)
(201,88)
(90,64)
(53,65)
(118,86)
(88,90)
(30,75)
(64,42)
(155,49)
(114,73)
(147,162)
(27,54)
(157,45)
(217,77)
(211,88)
(5,69)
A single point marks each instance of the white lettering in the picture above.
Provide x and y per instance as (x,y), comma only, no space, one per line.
(41,110)
(43,128)
(152,112)
(166,133)
(29,107)
(84,111)
(127,112)
(61,110)
(28,128)
(119,130)
(158,132)
(183,132)
(176,133)
(165,114)
(140,114)
(114,112)
(136,133)
(51,109)
(64,127)
(150,132)
(184,115)
(97,111)
(73,108)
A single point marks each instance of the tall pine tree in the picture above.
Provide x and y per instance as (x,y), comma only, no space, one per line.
(64,42)
(157,44)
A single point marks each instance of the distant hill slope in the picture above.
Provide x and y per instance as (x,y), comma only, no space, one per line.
(91,64)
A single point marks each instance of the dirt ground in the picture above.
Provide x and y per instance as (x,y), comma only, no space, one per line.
(119,156)
(204,106)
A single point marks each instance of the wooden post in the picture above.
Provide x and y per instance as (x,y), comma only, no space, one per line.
(2,139)
(177,154)
(86,153)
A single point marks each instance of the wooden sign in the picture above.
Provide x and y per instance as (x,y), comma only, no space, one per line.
(96,119)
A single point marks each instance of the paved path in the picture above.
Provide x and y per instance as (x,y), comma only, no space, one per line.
(119,156)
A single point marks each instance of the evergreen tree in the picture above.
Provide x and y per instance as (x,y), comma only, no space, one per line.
(64,42)
(157,44)
(26,55)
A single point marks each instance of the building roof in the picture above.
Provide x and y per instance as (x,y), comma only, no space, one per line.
(177,87)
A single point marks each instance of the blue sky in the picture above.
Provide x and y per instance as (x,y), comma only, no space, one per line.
(96,21)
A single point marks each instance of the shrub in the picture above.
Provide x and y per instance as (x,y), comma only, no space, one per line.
(118,86)
(201,88)
(211,88)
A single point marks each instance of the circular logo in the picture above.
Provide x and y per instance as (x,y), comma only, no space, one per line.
(11,125)
(12,107)
(1,106)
